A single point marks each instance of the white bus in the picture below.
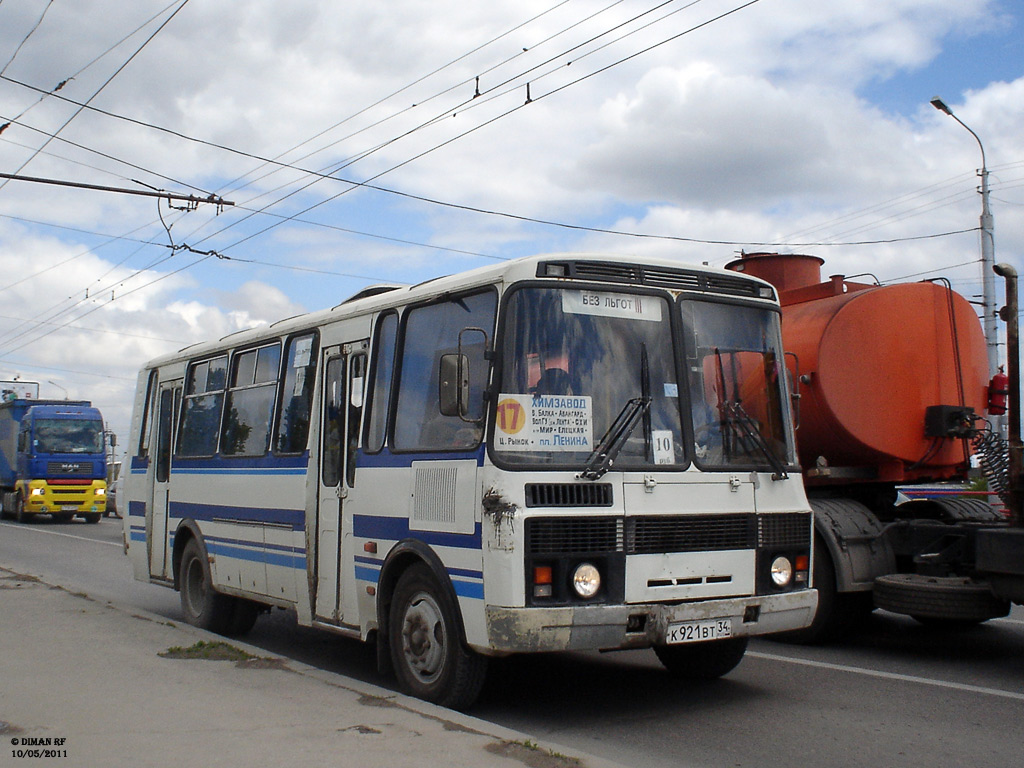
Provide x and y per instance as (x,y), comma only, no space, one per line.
(555,453)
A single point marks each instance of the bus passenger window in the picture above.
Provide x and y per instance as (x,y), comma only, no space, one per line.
(204,398)
(297,394)
(384,363)
(356,382)
(250,402)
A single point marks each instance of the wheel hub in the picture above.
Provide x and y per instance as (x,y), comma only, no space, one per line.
(423,638)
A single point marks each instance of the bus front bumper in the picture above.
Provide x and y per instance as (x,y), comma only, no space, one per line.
(604,627)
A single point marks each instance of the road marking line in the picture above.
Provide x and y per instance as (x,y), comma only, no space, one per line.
(67,535)
(890,675)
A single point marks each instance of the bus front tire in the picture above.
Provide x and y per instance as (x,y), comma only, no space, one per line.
(702,661)
(429,659)
(202,605)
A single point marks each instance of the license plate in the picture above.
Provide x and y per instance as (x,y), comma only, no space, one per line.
(69,508)
(699,631)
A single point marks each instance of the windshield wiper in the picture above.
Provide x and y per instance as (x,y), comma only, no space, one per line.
(600,461)
(739,418)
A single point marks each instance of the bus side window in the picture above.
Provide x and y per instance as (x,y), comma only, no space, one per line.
(250,401)
(356,388)
(431,332)
(380,386)
(204,397)
(147,417)
(296,394)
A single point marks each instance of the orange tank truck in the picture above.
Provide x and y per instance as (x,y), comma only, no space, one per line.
(892,388)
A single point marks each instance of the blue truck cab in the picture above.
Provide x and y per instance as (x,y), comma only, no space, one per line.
(52,459)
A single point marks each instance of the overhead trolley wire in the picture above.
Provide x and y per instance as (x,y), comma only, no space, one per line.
(100,89)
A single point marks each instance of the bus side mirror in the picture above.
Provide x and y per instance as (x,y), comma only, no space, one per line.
(453,385)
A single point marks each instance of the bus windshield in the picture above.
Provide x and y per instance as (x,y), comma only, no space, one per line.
(577,362)
(68,436)
(737,378)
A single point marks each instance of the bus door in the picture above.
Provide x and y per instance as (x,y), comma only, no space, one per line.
(168,404)
(344,375)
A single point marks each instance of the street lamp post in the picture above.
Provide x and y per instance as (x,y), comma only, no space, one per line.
(988,287)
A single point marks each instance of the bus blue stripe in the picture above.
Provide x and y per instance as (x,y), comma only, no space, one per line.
(398,460)
(468,589)
(296,518)
(256,556)
(397,528)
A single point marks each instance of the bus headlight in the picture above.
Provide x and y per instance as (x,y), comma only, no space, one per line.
(586,580)
(782,571)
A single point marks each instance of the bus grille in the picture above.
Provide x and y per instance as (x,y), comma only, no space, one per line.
(691,533)
(568,495)
(656,535)
(566,535)
(791,529)
(661,277)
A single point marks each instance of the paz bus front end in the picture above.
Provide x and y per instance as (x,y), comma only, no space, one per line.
(644,483)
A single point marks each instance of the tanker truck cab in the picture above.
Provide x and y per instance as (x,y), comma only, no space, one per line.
(61,463)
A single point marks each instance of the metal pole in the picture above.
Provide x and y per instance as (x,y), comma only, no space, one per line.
(988,285)
(1016,468)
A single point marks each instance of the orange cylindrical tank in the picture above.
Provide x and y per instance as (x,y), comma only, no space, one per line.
(875,359)
(871,360)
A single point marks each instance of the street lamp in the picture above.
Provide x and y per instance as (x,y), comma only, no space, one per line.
(988,288)
(58,386)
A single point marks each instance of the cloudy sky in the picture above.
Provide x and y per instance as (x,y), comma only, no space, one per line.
(476,132)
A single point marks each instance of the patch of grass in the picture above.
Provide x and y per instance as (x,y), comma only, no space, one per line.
(531,754)
(216,651)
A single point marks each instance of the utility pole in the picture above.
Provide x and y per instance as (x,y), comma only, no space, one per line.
(988,287)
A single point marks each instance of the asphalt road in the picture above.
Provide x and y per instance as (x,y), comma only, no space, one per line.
(899,694)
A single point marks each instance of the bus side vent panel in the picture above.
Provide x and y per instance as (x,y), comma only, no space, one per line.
(568,495)
(560,536)
(435,495)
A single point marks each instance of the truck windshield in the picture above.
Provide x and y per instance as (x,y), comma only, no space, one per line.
(68,436)
(737,383)
(572,361)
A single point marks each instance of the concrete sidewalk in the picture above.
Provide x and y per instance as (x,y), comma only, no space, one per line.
(95,683)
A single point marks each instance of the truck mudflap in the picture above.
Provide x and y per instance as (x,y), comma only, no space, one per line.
(603,627)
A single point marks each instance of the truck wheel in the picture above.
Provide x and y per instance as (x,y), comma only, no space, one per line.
(19,509)
(92,517)
(943,600)
(702,661)
(427,653)
(202,605)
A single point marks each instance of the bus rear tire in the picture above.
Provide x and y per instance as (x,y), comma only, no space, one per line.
(429,659)
(702,661)
(202,605)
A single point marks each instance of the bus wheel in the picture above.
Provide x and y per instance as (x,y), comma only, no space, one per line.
(702,661)
(203,606)
(429,659)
